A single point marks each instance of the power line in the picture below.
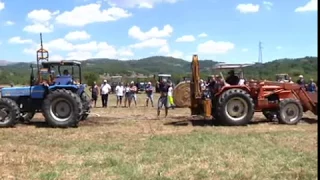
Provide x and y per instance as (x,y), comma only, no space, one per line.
(260,53)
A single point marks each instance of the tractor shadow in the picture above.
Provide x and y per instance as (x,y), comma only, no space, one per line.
(187,120)
(90,122)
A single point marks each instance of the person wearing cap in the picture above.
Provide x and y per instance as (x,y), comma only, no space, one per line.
(301,81)
(105,90)
(132,94)
(163,99)
(149,92)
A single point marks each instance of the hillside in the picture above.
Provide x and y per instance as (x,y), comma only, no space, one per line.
(19,72)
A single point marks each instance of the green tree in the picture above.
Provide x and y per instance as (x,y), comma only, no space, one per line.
(90,77)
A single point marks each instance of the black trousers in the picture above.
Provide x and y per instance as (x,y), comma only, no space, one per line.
(104,99)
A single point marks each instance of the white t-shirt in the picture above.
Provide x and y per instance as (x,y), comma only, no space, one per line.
(105,88)
(241,82)
(170,90)
(127,89)
(119,90)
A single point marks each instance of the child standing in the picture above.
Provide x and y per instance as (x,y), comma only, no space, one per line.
(170,96)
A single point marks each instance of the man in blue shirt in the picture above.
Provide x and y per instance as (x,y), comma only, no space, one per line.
(149,92)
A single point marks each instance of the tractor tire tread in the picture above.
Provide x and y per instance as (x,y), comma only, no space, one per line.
(77,108)
(15,110)
(222,118)
(282,104)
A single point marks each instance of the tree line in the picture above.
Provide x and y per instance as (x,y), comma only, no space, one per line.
(19,73)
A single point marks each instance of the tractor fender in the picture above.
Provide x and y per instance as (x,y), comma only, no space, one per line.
(226,88)
(73,88)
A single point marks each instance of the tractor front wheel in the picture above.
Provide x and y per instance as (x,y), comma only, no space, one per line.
(290,111)
(9,112)
(62,108)
(235,108)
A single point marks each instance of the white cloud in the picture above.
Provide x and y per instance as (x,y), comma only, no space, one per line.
(82,51)
(150,43)
(268,4)
(9,23)
(312,5)
(56,57)
(248,8)
(279,47)
(139,3)
(77,35)
(136,33)
(186,38)
(91,13)
(18,40)
(176,54)
(202,35)
(79,55)
(164,49)
(40,21)
(39,28)
(2,5)
(244,50)
(212,47)
(145,5)
(41,15)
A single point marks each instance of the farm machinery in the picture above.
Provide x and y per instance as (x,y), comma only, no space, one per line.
(236,104)
(59,96)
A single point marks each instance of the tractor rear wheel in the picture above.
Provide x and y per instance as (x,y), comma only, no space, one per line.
(86,105)
(235,107)
(290,111)
(62,108)
(9,112)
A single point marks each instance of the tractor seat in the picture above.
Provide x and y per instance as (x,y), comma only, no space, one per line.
(63,80)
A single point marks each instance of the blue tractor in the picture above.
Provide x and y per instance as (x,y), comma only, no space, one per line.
(59,95)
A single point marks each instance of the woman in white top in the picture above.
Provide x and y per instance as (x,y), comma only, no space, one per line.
(119,93)
(170,96)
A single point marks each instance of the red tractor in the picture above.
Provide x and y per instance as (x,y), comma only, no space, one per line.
(236,104)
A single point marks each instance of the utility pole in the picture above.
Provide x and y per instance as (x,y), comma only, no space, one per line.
(260,61)
(260,53)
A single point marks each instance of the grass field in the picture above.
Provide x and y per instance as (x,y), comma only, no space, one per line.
(132,143)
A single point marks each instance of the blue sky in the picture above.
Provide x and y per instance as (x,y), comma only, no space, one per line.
(221,30)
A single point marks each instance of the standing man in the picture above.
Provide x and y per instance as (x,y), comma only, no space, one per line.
(163,99)
(94,93)
(119,93)
(149,92)
(105,90)
(301,82)
(133,91)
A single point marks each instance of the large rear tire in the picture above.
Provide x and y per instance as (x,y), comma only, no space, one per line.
(62,108)
(86,105)
(235,108)
(9,112)
(290,111)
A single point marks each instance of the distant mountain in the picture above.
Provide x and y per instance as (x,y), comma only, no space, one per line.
(19,72)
